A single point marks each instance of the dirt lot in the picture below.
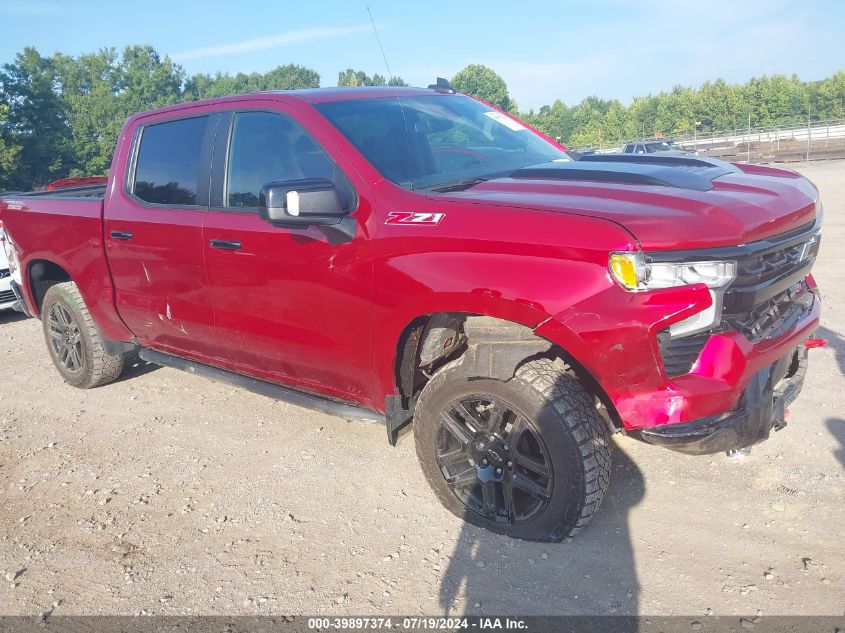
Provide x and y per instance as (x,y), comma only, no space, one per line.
(166,493)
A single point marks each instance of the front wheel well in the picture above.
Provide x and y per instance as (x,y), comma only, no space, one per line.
(43,275)
(496,347)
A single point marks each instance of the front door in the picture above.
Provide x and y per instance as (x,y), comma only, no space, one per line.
(289,306)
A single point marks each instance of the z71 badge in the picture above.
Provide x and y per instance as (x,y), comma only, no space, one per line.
(419,219)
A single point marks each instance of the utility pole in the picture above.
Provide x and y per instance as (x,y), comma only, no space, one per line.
(748,139)
(808,132)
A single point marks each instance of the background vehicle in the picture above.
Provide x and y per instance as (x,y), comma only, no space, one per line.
(430,259)
(8,300)
(659,147)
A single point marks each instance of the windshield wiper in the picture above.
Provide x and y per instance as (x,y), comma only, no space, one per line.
(456,185)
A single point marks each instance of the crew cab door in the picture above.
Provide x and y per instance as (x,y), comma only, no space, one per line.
(153,231)
(289,306)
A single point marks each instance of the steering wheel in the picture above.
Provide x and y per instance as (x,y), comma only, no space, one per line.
(472,161)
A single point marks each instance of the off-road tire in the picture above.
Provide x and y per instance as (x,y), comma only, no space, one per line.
(97,367)
(558,407)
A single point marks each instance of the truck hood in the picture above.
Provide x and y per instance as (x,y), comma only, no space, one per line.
(665,202)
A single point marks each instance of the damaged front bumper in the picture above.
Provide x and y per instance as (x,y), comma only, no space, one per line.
(761,408)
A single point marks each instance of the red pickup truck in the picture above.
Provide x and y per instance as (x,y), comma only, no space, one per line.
(415,255)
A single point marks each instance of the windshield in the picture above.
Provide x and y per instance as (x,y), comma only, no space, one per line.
(658,147)
(433,140)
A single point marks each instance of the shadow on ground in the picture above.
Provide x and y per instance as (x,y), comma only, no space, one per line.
(11,316)
(836,426)
(837,342)
(135,367)
(592,574)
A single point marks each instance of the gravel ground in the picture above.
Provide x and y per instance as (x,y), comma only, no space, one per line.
(165,493)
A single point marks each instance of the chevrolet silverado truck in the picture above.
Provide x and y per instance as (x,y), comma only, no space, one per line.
(418,257)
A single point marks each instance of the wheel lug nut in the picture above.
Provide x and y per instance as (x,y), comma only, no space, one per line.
(507,448)
(510,464)
(498,471)
(492,438)
(483,462)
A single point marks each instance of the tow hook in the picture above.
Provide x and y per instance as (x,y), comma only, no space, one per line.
(813,343)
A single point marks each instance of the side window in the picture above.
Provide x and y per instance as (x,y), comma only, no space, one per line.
(639,150)
(268,147)
(629,149)
(168,161)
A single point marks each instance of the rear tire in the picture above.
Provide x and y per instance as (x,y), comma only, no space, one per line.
(74,341)
(528,457)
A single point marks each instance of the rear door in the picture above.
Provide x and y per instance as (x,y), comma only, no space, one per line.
(289,306)
(153,232)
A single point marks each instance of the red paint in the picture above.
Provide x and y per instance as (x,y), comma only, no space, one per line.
(813,343)
(292,308)
(65,183)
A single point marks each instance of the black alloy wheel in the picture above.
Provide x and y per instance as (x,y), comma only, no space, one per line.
(65,338)
(493,460)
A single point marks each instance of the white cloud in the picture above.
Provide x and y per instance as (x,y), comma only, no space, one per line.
(270,41)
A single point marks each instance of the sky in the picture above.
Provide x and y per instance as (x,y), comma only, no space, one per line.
(544,50)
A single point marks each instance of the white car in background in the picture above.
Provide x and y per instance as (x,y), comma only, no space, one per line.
(8,299)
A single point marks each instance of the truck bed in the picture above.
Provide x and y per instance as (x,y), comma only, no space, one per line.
(84,191)
(62,231)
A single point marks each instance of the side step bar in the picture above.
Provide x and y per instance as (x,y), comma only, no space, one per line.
(299,398)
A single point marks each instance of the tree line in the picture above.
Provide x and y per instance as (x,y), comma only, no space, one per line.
(60,115)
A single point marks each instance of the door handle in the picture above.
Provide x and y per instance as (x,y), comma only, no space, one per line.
(121,235)
(226,245)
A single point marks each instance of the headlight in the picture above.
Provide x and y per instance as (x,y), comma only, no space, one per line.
(634,273)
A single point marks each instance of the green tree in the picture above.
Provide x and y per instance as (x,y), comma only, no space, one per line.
(830,97)
(776,99)
(287,77)
(483,83)
(554,121)
(290,77)
(147,81)
(720,106)
(617,128)
(36,120)
(9,151)
(89,86)
(351,77)
(642,115)
(676,111)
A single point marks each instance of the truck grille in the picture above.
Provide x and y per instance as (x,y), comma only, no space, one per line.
(6,296)
(774,316)
(768,297)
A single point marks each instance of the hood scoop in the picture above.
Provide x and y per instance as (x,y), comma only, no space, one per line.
(681,172)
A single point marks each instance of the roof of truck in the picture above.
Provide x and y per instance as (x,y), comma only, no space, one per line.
(309,95)
(346,93)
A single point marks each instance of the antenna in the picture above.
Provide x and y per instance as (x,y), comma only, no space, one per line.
(381,48)
(396,94)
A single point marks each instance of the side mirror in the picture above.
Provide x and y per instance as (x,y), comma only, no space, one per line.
(306,202)
(300,203)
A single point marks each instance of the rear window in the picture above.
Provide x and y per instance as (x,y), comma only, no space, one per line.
(168,163)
